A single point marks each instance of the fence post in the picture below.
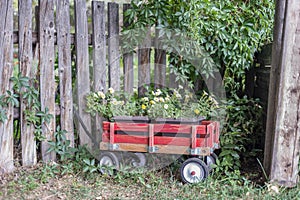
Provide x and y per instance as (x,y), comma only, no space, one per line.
(282,146)
(99,58)
(47,82)
(127,59)
(65,68)
(29,156)
(113,46)
(144,62)
(6,69)
(160,63)
(82,70)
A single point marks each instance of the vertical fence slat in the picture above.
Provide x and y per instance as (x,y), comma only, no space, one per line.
(65,68)
(25,65)
(6,68)
(160,63)
(99,57)
(127,60)
(144,62)
(47,82)
(99,46)
(113,46)
(82,70)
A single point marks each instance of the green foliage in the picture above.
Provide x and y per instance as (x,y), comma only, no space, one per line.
(223,34)
(25,89)
(242,124)
(61,145)
(90,166)
(201,36)
(79,159)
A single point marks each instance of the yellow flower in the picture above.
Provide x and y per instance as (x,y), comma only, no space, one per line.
(152,102)
(196,111)
(144,106)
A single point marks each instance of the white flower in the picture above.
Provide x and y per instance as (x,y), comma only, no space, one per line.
(178,96)
(158,92)
(156,99)
(180,86)
(101,94)
(111,90)
(145,99)
(161,99)
(166,106)
(114,101)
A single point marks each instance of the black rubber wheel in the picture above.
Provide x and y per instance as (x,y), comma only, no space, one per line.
(139,160)
(108,163)
(211,160)
(193,170)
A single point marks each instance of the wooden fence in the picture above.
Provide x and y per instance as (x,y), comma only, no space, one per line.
(39,43)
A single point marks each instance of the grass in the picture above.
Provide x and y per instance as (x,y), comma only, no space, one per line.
(52,181)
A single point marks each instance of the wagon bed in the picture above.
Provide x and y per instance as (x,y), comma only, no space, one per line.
(187,139)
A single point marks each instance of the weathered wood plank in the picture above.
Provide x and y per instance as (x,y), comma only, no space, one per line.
(144,62)
(274,85)
(29,156)
(160,63)
(65,68)
(166,149)
(6,69)
(99,59)
(47,82)
(99,46)
(285,143)
(127,60)
(113,46)
(82,70)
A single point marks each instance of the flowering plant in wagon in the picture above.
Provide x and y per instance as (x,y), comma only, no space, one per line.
(155,104)
(111,104)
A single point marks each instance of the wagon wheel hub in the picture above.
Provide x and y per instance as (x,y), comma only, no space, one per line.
(193,173)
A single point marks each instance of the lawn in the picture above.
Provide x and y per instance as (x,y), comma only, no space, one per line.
(54,181)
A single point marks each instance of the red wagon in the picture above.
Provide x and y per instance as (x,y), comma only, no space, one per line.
(197,141)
